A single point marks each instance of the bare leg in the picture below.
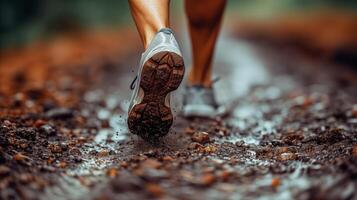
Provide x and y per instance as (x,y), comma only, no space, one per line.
(204,19)
(150,16)
(160,72)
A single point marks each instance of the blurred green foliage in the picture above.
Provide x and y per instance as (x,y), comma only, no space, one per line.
(272,8)
(22,21)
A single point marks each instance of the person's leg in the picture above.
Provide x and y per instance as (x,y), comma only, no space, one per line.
(160,72)
(204,19)
(150,16)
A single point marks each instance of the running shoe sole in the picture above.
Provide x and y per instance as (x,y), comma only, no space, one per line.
(161,74)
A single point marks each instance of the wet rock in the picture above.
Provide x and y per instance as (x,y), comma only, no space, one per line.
(354,151)
(240,143)
(62,164)
(206,180)
(189,131)
(187,176)
(11,141)
(50,160)
(167,158)
(150,153)
(75,159)
(112,172)
(38,123)
(265,152)
(276,142)
(47,130)
(81,139)
(48,105)
(75,151)
(194,145)
(55,148)
(222,132)
(282,150)
(154,189)
(354,111)
(275,182)
(85,181)
(19,99)
(200,137)
(93,123)
(20,157)
(23,144)
(126,182)
(331,136)
(48,168)
(7,123)
(60,113)
(224,175)
(293,138)
(103,153)
(287,156)
(209,149)
(64,146)
(226,187)
(151,174)
(123,164)
(151,163)
(105,124)
(3,143)
(26,178)
(304,101)
(4,170)
(93,152)
(34,93)
(27,133)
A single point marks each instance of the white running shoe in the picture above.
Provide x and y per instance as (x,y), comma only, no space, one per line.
(161,71)
(199,101)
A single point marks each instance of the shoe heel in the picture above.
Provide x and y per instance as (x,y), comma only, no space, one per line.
(161,74)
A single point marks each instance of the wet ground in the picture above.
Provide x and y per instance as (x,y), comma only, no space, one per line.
(290,133)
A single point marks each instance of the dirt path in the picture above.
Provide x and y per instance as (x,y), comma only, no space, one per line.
(291,133)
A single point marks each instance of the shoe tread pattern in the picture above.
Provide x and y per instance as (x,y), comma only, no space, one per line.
(161,74)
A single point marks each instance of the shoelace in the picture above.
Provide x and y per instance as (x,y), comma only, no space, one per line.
(132,85)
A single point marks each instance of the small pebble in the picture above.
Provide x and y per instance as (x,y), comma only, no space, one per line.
(47,130)
(189,131)
(287,156)
(209,149)
(354,151)
(55,148)
(4,170)
(38,123)
(151,163)
(154,189)
(275,182)
(62,164)
(200,137)
(167,158)
(103,153)
(59,113)
(112,172)
(19,157)
(207,179)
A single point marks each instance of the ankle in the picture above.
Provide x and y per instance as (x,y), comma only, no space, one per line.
(151,32)
(206,82)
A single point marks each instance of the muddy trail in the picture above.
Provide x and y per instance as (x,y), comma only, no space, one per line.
(290,133)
